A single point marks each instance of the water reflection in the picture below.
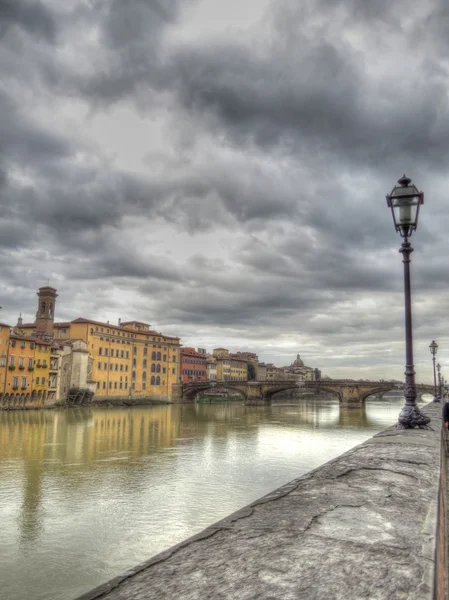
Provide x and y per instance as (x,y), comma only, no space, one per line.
(87,493)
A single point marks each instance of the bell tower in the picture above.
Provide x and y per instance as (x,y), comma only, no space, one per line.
(45,311)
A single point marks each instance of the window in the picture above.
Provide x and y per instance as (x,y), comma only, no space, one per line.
(127,354)
(153,368)
(126,367)
(164,357)
(115,385)
(12,361)
(134,362)
(37,380)
(21,361)
(99,366)
(100,351)
(153,379)
(111,366)
(121,385)
(133,375)
(121,367)
(24,382)
(153,356)
(22,344)
(126,385)
(105,365)
(104,385)
(110,385)
(105,351)
(43,380)
(117,353)
(116,366)
(32,344)
(158,380)
(144,364)
(173,371)
(98,385)
(15,382)
(13,343)
(174,358)
(134,350)
(158,368)
(145,351)
(163,370)
(122,353)
(158,356)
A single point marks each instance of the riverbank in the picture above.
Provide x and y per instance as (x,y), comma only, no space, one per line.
(368,524)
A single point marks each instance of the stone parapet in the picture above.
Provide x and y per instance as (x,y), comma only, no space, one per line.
(368,524)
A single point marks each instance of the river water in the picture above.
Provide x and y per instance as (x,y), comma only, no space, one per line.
(87,493)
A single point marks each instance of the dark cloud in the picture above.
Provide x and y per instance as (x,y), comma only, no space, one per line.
(30,15)
(259,218)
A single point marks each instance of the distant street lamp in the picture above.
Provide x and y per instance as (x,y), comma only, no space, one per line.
(404,201)
(433,350)
(439,379)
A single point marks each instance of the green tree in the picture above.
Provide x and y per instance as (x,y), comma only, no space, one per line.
(251,372)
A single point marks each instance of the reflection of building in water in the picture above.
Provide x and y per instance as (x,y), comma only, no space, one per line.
(23,436)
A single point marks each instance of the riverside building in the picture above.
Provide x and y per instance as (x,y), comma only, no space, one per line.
(41,361)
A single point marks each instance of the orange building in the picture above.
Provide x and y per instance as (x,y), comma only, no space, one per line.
(193,365)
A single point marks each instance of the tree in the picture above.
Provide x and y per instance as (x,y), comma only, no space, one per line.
(251,372)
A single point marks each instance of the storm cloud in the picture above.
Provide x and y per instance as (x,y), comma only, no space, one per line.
(221,173)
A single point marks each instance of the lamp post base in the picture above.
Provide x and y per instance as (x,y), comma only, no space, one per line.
(437,399)
(411,417)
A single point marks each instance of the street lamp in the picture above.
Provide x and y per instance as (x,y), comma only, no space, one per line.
(433,350)
(404,201)
(439,380)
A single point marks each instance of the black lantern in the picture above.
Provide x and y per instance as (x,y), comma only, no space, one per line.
(433,348)
(404,201)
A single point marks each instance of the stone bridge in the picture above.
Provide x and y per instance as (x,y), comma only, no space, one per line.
(350,393)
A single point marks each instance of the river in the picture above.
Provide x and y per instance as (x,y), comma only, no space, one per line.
(87,493)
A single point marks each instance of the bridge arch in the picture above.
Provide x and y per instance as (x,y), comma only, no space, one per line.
(190,393)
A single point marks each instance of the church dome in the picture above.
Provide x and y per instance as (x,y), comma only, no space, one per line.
(298,362)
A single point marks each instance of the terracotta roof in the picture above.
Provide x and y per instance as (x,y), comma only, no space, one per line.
(5,325)
(119,328)
(62,324)
(28,338)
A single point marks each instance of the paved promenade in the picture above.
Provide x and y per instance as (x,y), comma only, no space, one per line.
(363,526)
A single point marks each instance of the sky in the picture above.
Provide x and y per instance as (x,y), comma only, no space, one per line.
(219,170)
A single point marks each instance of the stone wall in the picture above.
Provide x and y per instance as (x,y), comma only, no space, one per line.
(369,524)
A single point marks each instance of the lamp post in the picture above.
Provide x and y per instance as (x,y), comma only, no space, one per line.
(433,350)
(404,201)
(439,380)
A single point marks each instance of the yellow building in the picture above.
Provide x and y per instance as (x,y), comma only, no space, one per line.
(120,360)
(239,368)
(129,358)
(24,364)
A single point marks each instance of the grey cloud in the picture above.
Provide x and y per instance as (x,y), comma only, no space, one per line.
(30,15)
